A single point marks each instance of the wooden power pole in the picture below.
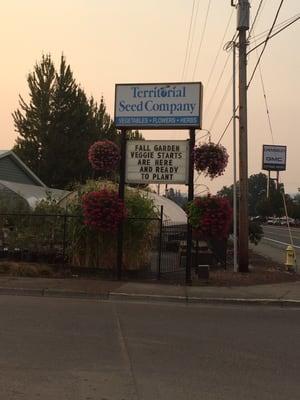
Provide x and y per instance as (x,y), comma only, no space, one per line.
(243,11)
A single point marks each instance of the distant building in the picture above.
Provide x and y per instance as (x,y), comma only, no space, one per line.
(17,181)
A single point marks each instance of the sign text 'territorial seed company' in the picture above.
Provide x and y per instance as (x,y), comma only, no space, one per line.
(158,106)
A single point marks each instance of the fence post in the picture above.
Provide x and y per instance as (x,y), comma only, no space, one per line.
(160,241)
(64,238)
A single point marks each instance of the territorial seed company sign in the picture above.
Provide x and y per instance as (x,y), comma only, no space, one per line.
(150,161)
(158,106)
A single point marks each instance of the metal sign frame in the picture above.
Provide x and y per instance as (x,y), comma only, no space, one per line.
(174,182)
(273,166)
(157,126)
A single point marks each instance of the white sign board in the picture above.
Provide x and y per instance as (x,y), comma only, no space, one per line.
(274,158)
(157,161)
(158,106)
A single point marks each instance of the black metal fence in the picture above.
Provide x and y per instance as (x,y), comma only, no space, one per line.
(152,248)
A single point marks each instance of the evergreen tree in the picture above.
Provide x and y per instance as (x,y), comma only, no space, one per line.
(33,120)
(58,125)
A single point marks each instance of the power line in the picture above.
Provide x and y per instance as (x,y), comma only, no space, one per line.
(188,40)
(266,42)
(219,50)
(276,27)
(218,83)
(265,100)
(192,37)
(255,18)
(221,104)
(202,38)
(274,34)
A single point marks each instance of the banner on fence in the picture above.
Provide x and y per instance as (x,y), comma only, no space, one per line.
(157,161)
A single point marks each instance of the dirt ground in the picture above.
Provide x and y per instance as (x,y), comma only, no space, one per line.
(261,271)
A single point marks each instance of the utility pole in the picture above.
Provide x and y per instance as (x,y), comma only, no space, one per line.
(243,11)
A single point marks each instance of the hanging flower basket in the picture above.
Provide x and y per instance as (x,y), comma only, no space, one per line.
(103,210)
(210,159)
(210,217)
(104,156)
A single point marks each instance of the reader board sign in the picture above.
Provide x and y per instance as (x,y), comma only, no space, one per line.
(274,158)
(156,161)
(158,105)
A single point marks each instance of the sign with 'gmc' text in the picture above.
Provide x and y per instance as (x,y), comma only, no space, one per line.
(153,161)
(158,106)
(274,158)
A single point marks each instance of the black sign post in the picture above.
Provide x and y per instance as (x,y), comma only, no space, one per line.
(188,275)
(121,196)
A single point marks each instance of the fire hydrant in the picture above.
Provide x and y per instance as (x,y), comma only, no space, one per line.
(290,258)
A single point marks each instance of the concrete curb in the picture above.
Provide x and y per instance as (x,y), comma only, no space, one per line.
(205,300)
(60,293)
(149,298)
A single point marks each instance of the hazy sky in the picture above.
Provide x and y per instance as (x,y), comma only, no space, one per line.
(119,41)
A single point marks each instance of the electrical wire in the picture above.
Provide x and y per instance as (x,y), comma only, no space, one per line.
(265,100)
(265,45)
(276,27)
(221,104)
(202,38)
(192,37)
(274,34)
(292,20)
(255,18)
(188,40)
(218,83)
(219,50)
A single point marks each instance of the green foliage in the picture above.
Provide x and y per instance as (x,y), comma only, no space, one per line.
(255,232)
(94,249)
(58,125)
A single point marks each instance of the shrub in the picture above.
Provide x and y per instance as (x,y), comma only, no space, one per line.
(210,216)
(103,210)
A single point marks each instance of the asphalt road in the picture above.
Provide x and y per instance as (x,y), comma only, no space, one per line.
(275,241)
(75,349)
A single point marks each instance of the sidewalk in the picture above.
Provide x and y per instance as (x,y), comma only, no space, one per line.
(272,294)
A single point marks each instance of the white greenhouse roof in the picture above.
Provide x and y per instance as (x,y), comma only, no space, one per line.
(171,211)
(33,193)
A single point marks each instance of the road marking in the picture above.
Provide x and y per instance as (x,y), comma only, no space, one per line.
(284,234)
(277,241)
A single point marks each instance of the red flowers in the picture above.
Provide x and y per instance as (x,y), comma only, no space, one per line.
(211,159)
(104,156)
(103,210)
(210,216)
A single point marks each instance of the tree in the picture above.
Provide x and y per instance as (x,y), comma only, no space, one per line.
(58,125)
(257,196)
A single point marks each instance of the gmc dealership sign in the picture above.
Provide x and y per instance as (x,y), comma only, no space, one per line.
(274,158)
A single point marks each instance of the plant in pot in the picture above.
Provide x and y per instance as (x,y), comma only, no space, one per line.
(210,159)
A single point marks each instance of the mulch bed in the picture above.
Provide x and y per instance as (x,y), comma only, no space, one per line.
(261,271)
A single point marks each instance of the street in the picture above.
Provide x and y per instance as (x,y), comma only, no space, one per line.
(84,349)
(275,241)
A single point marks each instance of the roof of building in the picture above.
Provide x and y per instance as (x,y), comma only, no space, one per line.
(171,211)
(13,169)
(33,193)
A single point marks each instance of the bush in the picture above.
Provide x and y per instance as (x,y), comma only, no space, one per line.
(97,248)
